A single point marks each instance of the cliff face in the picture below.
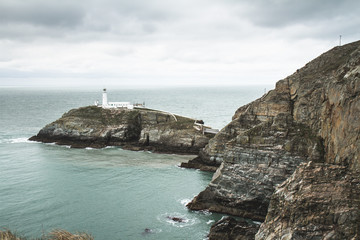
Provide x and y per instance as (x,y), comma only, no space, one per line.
(134,129)
(323,96)
(312,115)
(264,147)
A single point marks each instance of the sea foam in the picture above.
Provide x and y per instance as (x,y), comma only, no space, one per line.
(16,140)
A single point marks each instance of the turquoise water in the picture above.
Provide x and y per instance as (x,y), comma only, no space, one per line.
(110,193)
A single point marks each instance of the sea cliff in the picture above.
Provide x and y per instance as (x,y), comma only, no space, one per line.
(136,129)
(301,141)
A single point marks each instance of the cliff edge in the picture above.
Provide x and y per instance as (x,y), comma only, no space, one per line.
(311,116)
(135,129)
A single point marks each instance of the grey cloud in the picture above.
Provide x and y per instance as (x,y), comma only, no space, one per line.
(46,13)
(154,10)
(280,13)
(24,20)
(139,18)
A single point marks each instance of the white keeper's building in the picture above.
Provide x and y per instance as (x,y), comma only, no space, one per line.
(106,104)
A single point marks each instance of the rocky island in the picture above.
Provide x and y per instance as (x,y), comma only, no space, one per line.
(134,129)
(290,159)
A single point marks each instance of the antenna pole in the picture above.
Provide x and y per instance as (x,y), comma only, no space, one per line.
(340,40)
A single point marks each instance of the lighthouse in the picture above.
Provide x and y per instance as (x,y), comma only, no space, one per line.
(106,104)
(104,99)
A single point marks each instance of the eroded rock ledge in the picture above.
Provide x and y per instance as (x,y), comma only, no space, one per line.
(231,229)
(133,129)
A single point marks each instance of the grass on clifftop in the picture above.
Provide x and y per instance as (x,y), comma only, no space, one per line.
(97,116)
(54,235)
(93,116)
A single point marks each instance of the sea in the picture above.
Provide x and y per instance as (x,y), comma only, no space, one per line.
(109,193)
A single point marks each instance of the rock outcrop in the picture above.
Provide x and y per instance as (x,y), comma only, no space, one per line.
(133,129)
(312,115)
(232,229)
(319,201)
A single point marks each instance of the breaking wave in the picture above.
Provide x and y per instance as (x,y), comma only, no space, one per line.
(184,201)
(16,140)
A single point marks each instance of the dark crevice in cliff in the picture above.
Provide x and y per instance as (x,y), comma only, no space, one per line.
(291,97)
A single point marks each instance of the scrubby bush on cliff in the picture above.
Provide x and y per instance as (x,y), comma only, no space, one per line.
(54,235)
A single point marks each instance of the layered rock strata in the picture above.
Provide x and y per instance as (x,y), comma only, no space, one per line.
(245,181)
(260,148)
(319,201)
(312,115)
(133,129)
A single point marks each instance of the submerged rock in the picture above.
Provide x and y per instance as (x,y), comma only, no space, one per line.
(176,219)
(147,231)
(134,129)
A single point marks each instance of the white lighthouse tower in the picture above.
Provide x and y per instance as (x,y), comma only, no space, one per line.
(104,99)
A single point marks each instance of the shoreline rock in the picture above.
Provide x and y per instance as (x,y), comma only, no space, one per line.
(196,163)
(230,229)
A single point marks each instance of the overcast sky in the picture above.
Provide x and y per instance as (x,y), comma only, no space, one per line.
(167,42)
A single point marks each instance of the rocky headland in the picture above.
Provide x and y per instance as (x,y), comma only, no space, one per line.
(135,129)
(290,159)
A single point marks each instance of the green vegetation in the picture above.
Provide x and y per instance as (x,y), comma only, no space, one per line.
(54,235)
(90,112)
(95,116)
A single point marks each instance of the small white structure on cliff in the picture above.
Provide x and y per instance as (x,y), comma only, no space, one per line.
(106,104)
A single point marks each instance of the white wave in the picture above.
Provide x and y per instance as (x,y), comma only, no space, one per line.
(178,166)
(20,140)
(107,147)
(184,201)
(205,212)
(89,148)
(57,145)
(210,222)
(17,140)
